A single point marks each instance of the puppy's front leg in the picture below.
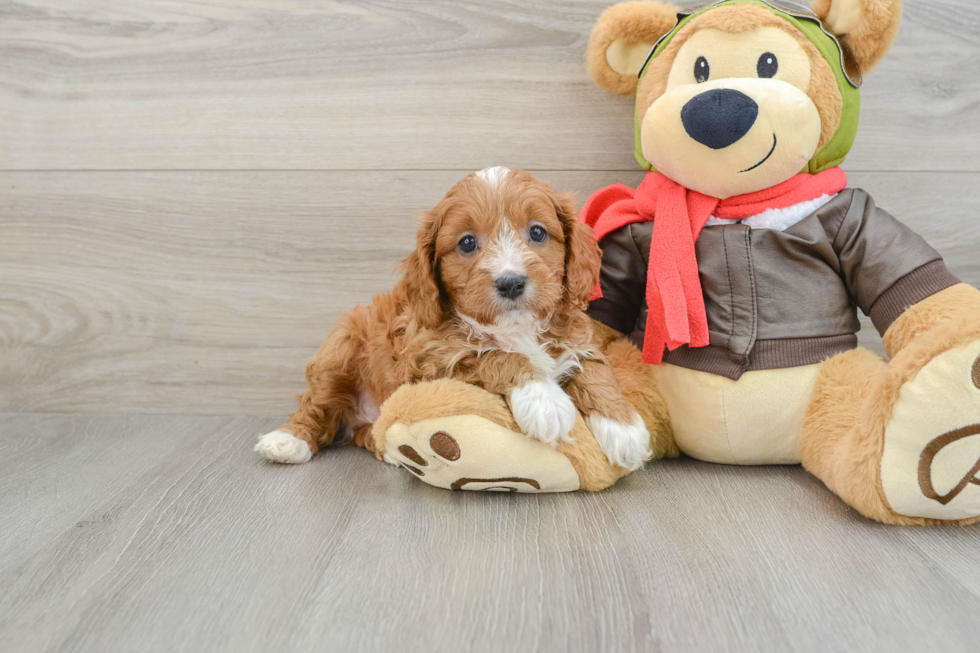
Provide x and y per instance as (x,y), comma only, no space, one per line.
(540,406)
(616,425)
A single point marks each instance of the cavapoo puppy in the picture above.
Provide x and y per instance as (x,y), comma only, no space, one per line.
(494,295)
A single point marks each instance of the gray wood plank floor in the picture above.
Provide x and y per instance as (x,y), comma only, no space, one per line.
(191,192)
(123,533)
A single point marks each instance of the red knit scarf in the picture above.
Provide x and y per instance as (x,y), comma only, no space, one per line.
(675,303)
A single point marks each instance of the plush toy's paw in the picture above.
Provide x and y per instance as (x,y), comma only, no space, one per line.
(625,444)
(543,411)
(468,452)
(283,447)
(930,466)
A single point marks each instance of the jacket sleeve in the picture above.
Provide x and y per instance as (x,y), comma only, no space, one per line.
(623,281)
(887,267)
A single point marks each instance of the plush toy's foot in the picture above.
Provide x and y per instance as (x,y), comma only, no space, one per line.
(930,464)
(468,452)
(459,437)
(900,441)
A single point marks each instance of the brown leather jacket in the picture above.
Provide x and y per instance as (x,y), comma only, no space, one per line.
(780,299)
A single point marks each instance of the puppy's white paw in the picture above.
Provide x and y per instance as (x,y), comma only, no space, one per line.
(625,444)
(283,447)
(543,411)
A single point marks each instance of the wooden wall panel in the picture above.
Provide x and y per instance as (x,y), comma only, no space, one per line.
(205,292)
(440,84)
(192,192)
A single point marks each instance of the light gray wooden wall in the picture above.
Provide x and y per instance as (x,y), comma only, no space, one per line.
(192,191)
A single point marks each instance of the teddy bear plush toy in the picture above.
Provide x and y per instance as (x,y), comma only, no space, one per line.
(731,279)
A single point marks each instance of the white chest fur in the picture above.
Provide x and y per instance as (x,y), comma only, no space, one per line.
(521,336)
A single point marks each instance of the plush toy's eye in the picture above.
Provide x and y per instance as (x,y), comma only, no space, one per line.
(768,65)
(702,71)
(538,234)
(467,244)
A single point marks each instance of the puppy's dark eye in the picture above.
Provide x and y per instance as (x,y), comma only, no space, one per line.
(467,244)
(702,71)
(538,234)
(768,65)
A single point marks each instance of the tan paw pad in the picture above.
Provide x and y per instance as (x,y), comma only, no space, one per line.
(469,452)
(930,466)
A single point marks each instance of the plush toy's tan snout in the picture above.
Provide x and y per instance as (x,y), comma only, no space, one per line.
(735,115)
(731,136)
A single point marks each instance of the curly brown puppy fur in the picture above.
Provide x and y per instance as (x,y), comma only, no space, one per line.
(494,295)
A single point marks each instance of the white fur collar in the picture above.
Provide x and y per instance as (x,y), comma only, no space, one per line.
(778,219)
(520,333)
(512,332)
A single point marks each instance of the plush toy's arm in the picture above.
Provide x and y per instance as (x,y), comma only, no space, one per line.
(887,267)
(622,279)
(957,303)
(896,277)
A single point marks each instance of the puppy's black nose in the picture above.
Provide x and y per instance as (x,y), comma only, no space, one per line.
(720,117)
(511,286)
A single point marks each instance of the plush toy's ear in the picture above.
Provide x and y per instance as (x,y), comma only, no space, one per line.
(867,27)
(420,278)
(622,39)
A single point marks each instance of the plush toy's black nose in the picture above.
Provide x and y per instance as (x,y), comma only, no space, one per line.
(720,117)
(511,286)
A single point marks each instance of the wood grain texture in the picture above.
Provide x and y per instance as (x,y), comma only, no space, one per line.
(388,84)
(192,191)
(153,534)
(205,292)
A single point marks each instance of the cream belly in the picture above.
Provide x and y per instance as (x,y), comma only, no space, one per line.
(756,420)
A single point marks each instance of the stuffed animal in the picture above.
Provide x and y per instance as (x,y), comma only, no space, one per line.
(740,276)
(738,266)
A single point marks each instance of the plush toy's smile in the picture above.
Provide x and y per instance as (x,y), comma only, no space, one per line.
(729,109)
(731,136)
(765,159)
(725,117)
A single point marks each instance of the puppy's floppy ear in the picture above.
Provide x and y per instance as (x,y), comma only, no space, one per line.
(867,27)
(621,41)
(582,254)
(420,279)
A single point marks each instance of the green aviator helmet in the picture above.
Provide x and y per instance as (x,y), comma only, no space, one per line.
(837,55)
